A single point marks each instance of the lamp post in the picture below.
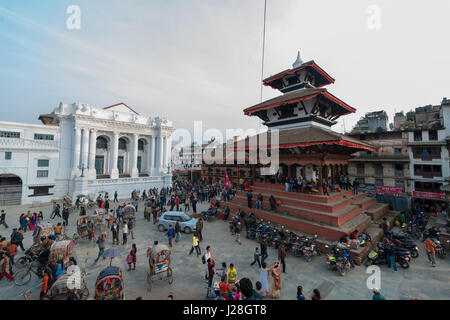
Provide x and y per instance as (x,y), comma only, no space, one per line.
(82,167)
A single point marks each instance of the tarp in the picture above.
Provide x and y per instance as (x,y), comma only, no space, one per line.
(109,271)
(65,247)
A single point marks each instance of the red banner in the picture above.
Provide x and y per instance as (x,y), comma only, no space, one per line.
(430,195)
(227,181)
(395,191)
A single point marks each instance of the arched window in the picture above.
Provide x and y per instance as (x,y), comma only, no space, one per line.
(141,145)
(102,143)
(122,144)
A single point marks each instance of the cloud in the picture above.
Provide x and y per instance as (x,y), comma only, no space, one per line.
(201,60)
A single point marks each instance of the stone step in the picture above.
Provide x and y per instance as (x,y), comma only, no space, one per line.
(357,197)
(334,196)
(277,186)
(377,211)
(334,206)
(326,231)
(336,218)
(364,203)
(358,255)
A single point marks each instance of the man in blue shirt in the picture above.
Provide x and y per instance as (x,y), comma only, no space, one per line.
(170,234)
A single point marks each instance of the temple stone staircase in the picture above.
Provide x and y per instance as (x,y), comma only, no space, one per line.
(330,217)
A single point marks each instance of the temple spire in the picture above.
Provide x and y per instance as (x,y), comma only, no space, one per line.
(297,62)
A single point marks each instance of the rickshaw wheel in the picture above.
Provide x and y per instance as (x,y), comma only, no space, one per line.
(170,276)
(85,294)
(21,263)
(149,282)
(22,277)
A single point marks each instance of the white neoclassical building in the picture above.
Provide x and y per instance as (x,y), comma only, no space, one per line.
(80,149)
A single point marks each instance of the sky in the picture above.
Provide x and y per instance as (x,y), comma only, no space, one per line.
(200,60)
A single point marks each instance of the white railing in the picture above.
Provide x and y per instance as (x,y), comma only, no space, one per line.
(27,143)
(124,180)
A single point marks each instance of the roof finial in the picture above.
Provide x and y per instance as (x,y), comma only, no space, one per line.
(297,62)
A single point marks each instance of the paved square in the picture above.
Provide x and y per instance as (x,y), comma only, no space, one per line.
(419,281)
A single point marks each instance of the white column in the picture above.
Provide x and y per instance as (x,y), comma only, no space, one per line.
(92,150)
(151,155)
(84,148)
(114,172)
(160,153)
(169,151)
(76,151)
(133,156)
(164,147)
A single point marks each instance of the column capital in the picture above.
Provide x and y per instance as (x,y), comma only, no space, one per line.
(92,130)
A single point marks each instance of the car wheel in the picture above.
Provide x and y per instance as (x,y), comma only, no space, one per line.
(187,230)
(161,228)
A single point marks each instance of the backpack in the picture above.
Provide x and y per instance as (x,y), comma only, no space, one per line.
(203,259)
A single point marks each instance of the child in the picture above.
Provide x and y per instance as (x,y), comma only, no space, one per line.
(257,293)
(131,258)
(256,257)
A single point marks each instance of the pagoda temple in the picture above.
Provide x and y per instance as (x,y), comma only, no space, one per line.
(307,146)
(303,115)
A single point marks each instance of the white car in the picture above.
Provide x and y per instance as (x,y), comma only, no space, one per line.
(188,224)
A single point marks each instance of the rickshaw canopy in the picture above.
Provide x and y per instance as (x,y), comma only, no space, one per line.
(63,249)
(43,229)
(111,271)
(109,284)
(100,211)
(161,250)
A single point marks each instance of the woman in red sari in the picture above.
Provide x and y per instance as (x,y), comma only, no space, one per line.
(5,261)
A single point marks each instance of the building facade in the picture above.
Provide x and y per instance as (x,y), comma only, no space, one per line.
(429,159)
(376,121)
(83,150)
(384,174)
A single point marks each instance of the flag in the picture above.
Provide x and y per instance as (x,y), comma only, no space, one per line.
(227,181)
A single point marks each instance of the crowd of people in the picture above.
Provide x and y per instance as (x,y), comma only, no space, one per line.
(311,186)
(181,196)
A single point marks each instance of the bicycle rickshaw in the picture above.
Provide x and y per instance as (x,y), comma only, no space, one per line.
(42,229)
(69,287)
(83,231)
(109,284)
(86,201)
(30,255)
(67,203)
(129,213)
(99,220)
(61,251)
(159,263)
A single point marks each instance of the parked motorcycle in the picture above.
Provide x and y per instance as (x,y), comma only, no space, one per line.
(377,256)
(338,259)
(409,245)
(310,249)
(440,250)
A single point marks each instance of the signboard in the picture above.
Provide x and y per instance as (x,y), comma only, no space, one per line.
(394,191)
(429,195)
(161,267)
